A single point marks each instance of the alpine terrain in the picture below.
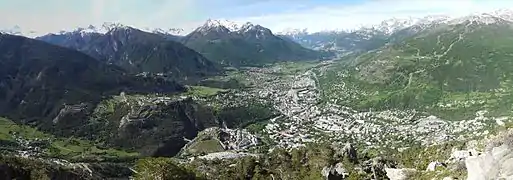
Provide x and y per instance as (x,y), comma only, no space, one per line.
(248,44)
(136,51)
(407,98)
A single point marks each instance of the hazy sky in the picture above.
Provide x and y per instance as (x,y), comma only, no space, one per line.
(45,16)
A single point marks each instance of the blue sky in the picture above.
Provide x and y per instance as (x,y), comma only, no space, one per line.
(46,16)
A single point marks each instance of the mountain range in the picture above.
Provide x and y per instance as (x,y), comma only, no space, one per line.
(434,62)
(463,50)
(227,44)
(40,80)
(246,44)
(137,51)
(375,35)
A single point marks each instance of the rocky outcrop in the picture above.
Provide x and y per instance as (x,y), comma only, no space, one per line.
(12,167)
(350,152)
(31,168)
(334,172)
(433,165)
(159,128)
(225,155)
(237,139)
(461,155)
(399,174)
(494,164)
(216,139)
(497,160)
(347,151)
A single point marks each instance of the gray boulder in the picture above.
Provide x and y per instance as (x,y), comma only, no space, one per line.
(335,172)
(350,152)
(400,174)
(494,164)
(347,151)
(497,160)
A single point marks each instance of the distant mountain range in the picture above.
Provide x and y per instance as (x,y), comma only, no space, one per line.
(458,54)
(374,36)
(103,28)
(222,42)
(246,44)
(136,51)
(432,61)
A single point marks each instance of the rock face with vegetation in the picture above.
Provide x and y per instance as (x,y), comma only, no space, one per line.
(156,126)
(20,168)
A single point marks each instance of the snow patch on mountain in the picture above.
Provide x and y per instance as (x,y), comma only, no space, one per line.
(506,14)
(215,23)
(294,32)
(91,29)
(170,31)
(249,26)
(108,26)
(390,26)
(16,30)
(479,19)
(233,27)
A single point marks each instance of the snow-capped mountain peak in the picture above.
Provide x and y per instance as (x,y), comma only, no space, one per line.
(257,31)
(213,23)
(170,31)
(390,26)
(250,27)
(108,26)
(247,25)
(433,19)
(230,27)
(102,29)
(16,30)
(88,30)
(293,32)
(506,14)
(485,18)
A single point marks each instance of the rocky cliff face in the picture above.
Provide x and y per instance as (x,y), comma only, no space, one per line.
(151,125)
(496,162)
